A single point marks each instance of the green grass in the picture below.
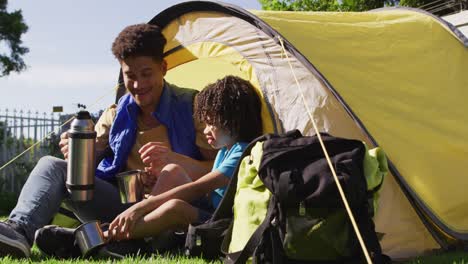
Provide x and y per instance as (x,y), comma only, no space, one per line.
(38,257)
(445,258)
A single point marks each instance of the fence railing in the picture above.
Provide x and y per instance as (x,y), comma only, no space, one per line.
(19,130)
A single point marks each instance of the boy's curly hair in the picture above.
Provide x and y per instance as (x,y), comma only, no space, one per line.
(139,40)
(233,104)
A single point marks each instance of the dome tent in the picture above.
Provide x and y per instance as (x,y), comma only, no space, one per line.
(395,79)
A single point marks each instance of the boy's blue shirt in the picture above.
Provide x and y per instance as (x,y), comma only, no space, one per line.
(226,162)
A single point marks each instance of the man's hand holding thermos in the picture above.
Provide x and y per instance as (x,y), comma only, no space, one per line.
(63,144)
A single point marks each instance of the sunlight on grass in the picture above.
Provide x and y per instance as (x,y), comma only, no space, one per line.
(38,257)
(155,259)
(446,258)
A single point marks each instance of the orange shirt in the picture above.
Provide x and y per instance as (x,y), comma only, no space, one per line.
(145,135)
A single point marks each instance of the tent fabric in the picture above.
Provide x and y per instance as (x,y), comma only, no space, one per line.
(394,79)
(453,28)
(403,74)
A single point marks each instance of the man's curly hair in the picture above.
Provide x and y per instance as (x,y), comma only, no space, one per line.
(233,104)
(139,40)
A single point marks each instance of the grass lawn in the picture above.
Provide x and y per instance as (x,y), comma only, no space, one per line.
(446,258)
(37,257)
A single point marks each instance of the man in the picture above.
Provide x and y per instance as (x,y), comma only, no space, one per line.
(154,118)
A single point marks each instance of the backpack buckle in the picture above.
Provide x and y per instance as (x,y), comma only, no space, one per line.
(302,209)
(274,222)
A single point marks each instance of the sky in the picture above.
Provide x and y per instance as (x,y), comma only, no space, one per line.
(70,59)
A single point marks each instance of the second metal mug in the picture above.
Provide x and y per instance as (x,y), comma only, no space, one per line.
(130,186)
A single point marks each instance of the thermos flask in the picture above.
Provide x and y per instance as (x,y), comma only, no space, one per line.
(81,157)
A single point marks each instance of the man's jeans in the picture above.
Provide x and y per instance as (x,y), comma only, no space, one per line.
(45,190)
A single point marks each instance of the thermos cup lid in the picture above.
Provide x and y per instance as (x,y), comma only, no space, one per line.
(83,115)
(82,127)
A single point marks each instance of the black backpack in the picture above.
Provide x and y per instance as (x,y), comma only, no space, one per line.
(306,221)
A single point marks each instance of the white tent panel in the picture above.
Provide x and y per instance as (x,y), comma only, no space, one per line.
(459,20)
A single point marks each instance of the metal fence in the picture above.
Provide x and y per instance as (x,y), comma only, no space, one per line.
(19,130)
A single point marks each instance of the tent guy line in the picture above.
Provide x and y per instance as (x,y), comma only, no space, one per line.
(327,156)
(114,89)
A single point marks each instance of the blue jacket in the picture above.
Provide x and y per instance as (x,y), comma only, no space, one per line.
(175,111)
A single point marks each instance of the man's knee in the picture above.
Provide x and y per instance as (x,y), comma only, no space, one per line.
(49,165)
(50,159)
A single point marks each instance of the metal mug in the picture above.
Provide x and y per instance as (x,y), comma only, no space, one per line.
(131,188)
(90,238)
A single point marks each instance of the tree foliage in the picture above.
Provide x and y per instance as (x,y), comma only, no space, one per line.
(438,7)
(414,3)
(12,27)
(301,5)
(323,5)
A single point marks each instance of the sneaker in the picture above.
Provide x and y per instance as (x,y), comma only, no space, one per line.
(13,242)
(57,241)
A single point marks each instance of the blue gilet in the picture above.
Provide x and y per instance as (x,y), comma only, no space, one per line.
(174,111)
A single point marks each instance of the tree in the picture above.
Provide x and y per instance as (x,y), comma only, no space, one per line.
(12,27)
(301,5)
(437,7)
(324,5)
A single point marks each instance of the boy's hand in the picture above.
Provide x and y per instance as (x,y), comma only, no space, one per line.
(123,224)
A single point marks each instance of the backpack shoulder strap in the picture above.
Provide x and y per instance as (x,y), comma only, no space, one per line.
(255,239)
(224,209)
